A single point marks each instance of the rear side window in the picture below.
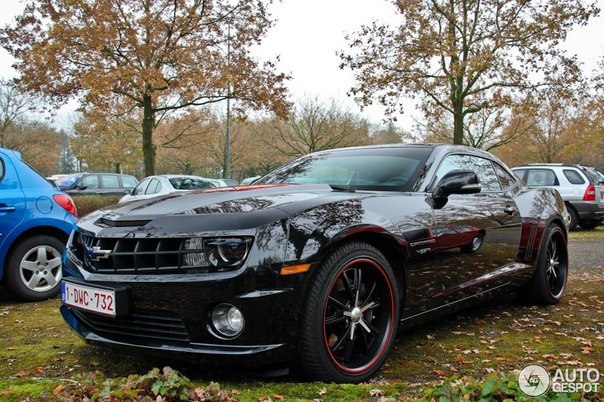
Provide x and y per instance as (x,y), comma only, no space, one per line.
(541,177)
(142,186)
(573,176)
(154,187)
(1,169)
(128,181)
(110,181)
(506,180)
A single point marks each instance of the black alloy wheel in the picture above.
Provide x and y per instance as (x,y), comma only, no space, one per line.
(350,315)
(551,273)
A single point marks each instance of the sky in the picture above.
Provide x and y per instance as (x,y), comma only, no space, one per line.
(306,37)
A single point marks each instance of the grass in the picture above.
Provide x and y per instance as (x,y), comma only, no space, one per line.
(38,352)
(587,234)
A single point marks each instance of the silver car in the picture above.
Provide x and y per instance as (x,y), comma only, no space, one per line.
(581,189)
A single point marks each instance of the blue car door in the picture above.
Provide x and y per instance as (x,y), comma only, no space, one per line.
(12,199)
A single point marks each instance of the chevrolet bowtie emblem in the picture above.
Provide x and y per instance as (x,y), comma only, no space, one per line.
(96,253)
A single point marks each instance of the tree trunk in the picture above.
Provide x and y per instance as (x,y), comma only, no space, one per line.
(458,123)
(148,147)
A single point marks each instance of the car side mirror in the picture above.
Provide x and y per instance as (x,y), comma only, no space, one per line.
(454,182)
(80,186)
(127,191)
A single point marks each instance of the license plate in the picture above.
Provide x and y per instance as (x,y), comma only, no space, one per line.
(101,301)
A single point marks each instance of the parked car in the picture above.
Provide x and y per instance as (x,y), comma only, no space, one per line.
(581,190)
(249,180)
(227,182)
(35,221)
(319,263)
(154,186)
(97,183)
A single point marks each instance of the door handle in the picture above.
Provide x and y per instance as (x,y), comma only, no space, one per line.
(6,208)
(509,210)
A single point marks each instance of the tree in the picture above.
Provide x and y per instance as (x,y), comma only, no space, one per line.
(463,56)
(39,144)
(156,55)
(14,104)
(107,143)
(314,126)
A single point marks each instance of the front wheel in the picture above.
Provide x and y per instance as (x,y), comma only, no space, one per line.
(34,268)
(350,315)
(549,280)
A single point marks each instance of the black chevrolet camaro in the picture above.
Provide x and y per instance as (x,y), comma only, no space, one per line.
(319,262)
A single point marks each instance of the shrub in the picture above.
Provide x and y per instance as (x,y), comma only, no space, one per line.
(88,203)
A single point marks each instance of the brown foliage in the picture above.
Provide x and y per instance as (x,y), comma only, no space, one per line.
(463,56)
(155,55)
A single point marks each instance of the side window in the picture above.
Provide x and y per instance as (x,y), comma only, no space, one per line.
(128,181)
(1,169)
(89,182)
(541,177)
(110,181)
(154,187)
(140,189)
(506,180)
(573,176)
(519,173)
(483,168)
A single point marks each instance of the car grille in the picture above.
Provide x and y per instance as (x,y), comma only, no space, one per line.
(151,325)
(133,256)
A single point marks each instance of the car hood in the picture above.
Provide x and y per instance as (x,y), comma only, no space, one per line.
(272,202)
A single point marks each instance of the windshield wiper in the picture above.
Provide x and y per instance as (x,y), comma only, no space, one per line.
(338,187)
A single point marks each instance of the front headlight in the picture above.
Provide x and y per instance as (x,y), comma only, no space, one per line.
(218,252)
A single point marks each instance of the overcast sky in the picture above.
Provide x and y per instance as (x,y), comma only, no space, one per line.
(309,32)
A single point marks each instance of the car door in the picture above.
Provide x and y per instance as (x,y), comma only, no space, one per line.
(12,198)
(139,191)
(477,235)
(110,185)
(88,184)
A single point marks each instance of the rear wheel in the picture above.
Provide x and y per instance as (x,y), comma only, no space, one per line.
(350,315)
(34,268)
(574,218)
(589,224)
(549,280)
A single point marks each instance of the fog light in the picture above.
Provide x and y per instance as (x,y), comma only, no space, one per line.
(227,320)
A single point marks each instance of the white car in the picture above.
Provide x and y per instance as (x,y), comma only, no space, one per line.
(154,186)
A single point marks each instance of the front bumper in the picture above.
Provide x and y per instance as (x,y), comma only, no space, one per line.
(171,313)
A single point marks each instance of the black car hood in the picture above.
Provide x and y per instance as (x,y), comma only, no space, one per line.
(277,201)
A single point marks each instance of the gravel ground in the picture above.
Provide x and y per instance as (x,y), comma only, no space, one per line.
(586,256)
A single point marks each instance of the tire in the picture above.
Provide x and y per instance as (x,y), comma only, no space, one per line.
(474,245)
(574,218)
(551,274)
(589,224)
(34,268)
(350,315)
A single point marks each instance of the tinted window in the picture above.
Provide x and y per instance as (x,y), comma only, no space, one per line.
(89,182)
(1,169)
(573,176)
(142,186)
(541,177)
(128,181)
(483,168)
(507,181)
(519,173)
(394,169)
(110,181)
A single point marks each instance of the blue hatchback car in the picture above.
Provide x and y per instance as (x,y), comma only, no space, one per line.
(35,222)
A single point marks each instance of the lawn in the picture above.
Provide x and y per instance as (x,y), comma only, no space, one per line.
(39,355)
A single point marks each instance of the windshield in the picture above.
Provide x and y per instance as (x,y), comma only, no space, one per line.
(190,183)
(394,169)
(67,181)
